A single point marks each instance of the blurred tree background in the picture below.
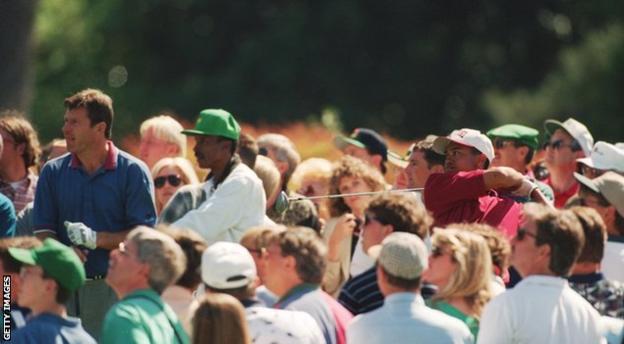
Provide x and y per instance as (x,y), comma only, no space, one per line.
(407,68)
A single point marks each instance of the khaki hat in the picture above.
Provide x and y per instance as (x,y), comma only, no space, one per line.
(402,255)
(576,129)
(610,185)
(465,137)
(605,156)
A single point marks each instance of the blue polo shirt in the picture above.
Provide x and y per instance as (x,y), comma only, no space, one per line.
(50,328)
(116,197)
(7,217)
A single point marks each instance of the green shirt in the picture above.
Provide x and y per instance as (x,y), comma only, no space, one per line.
(445,307)
(142,317)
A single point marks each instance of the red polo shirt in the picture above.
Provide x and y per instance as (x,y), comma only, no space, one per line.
(561,198)
(457,197)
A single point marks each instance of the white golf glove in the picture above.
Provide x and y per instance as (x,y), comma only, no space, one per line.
(525,189)
(81,235)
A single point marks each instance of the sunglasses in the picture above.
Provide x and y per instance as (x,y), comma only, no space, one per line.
(370,218)
(174,180)
(523,233)
(559,144)
(500,143)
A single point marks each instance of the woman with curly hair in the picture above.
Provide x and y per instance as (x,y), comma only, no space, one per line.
(460,266)
(345,256)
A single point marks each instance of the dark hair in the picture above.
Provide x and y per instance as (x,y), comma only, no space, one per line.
(400,282)
(478,152)
(248,150)
(233,146)
(62,294)
(9,263)
(595,233)
(22,132)
(404,213)
(562,231)
(242,293)
(99,107)
(431,157)
(193,246)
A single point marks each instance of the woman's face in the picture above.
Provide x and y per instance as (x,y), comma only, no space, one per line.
(348,184)
(441,266)
(164,186)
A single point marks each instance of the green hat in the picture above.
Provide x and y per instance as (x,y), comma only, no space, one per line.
(58,261)
(516,132)
(216,122)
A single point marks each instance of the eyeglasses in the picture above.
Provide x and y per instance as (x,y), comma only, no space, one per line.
(501,143)
(174,180)
(558,144)
(523,233)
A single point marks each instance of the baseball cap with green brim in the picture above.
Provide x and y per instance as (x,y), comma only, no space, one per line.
(610,185)
(58,261)
(215,122)
(364,138)
(516,132)
(576,129)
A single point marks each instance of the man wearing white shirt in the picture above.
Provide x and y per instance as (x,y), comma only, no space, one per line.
(404,317)
(542,308)
(232,199)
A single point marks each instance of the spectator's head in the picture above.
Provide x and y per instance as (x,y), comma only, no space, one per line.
(88,120)
(161,137)
(500,249)
(423,161)
(389,213)
(595,233)
(169,175)
(49,275)
(219,319)
(460,266)
(514,146)
(256,241)
(605,194)
(548,242)
(21,144)
(51,150)
(294,256)
(146,259)
(351,175)
(248,150)
(193,246)
(9,265)
(604,157)
(283,152)
(401,260)
(229,268)
(300,213)
(465,150)
(311,178)
(566,142)
(216,135)
(365,144)
(269,175)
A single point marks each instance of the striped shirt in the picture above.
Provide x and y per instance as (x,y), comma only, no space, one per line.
(361,294)
(20,193)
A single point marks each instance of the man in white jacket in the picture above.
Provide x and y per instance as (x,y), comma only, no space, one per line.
(232,199)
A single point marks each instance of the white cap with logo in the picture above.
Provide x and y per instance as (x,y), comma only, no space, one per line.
(466,137)
(576,129)
(605,156)
(227,265)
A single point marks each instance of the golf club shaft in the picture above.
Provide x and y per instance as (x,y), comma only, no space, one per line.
(352,194)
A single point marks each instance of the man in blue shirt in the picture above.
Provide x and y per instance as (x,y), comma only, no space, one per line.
(92,197)
(50,274)
(7,211)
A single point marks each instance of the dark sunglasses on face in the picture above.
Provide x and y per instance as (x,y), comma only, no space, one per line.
(370,218)
(559,144)
(174,180)
(523,233)
(263,151)
(501,143)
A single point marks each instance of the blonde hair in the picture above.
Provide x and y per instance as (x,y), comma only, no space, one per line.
(166,128)
(183,165)
(473,272)
(258,238)
(269,174)
(314,168)
(220,319)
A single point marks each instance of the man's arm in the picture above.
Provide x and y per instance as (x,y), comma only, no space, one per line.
(502,178)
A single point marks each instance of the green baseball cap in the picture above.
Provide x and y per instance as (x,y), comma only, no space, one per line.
(216,122)
(517,132)
(58,261)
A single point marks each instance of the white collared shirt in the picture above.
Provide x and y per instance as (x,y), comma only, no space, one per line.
(540,309)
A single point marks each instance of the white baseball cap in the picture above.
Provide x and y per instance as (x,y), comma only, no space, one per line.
(466,137)
(605,156)
(227,265)
(576,129)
